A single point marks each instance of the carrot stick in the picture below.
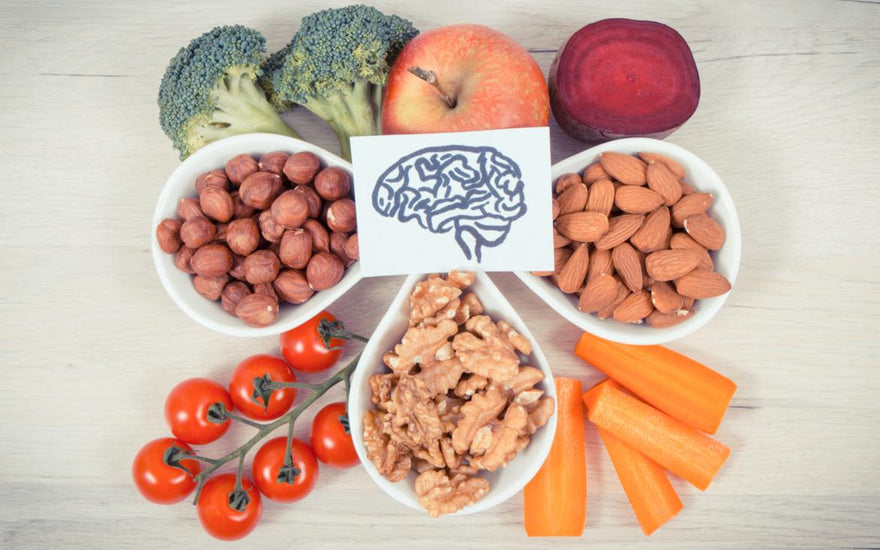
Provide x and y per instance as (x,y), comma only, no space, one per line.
(679,448)
(555,500)
(671,382)
(651,495)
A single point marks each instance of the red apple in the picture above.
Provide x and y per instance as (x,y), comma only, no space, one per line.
(470,77)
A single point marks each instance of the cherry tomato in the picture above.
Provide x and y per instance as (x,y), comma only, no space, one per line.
(305,351)
(216,514)
(268,462)
(331,439)
(241,388)
(186,410)
(158,482)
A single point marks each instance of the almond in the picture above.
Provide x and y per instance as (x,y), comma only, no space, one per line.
(674,167)
(620,228)
(637,200)
(554,208)
(705,231)
(628,266)
(664,182)
(690,205)
(598,293)
(571,276)
(624,168)
(558,240)
(666,265)
(601,197)
(688,303)
(594,172)
(652,235)
(565,181)
(663,320)
(560,257)
(700,283)
(634,308)
(687,189)
(600,262)
(622,294)
(681,241)
(665,298)
(584,227)
(572,199)
(257,310)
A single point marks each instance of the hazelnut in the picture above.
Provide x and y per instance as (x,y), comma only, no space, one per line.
(243,236)
(232,295)
(260,189)
(210,287)
(341,216)
(257,310)
(301,167)
(240,167)
(168,235)
(212,260)
(214,177)
(314,201)
(237,271)
(217,203)
(320,236)
(337,246)
(333,183)
(325,269)
(241,210)
(270,229)
(261,266)
(296,248)
(189,209)
(351,247)
(220,232)
(292,286)
(197,231)
(273,162)
(266,289)
(290,209)
(182,259)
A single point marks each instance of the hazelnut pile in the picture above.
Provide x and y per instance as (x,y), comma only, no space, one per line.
(458,399)
(264,231)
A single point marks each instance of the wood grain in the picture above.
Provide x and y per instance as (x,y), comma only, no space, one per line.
(789,118)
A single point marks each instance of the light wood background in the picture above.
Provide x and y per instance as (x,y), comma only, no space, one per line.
(91,344)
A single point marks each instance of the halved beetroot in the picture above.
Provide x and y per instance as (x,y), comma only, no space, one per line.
(620,78)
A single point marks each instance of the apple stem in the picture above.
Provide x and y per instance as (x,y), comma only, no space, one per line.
(431,78)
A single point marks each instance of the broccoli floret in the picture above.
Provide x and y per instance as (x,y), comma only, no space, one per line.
(209,90)
(337,65)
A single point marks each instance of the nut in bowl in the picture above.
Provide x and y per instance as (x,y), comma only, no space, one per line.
(452,406)
(241,239)
(647,242)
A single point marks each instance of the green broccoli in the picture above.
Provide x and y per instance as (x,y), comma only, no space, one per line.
(209,90)
(337,64)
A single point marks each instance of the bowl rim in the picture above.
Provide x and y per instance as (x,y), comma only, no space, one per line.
(363,371)
(254,142)
(644,335)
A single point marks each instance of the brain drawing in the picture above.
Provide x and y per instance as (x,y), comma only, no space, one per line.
(474,192)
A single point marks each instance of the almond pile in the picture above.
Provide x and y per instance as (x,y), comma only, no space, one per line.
(263,231)
(632,240)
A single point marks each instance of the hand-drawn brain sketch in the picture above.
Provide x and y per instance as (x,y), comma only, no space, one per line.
(475,192)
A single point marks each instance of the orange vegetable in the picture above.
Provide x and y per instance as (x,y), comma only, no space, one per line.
(555,500)
(679,448)
(675,384)
(651,495)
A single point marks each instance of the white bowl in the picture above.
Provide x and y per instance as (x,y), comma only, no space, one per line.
(699,175)
(505,482)
(179,284)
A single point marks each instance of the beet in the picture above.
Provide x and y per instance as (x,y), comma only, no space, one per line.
(620,78)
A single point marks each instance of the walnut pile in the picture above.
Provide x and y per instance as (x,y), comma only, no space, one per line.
(457,400)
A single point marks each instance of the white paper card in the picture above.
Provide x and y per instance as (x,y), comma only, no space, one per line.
(478,201)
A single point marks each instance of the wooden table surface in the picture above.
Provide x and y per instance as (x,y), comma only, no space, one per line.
(91,344)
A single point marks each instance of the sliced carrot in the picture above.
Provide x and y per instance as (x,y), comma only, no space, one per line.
(679,448)
(651,495)
(675,384)
(555,500)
